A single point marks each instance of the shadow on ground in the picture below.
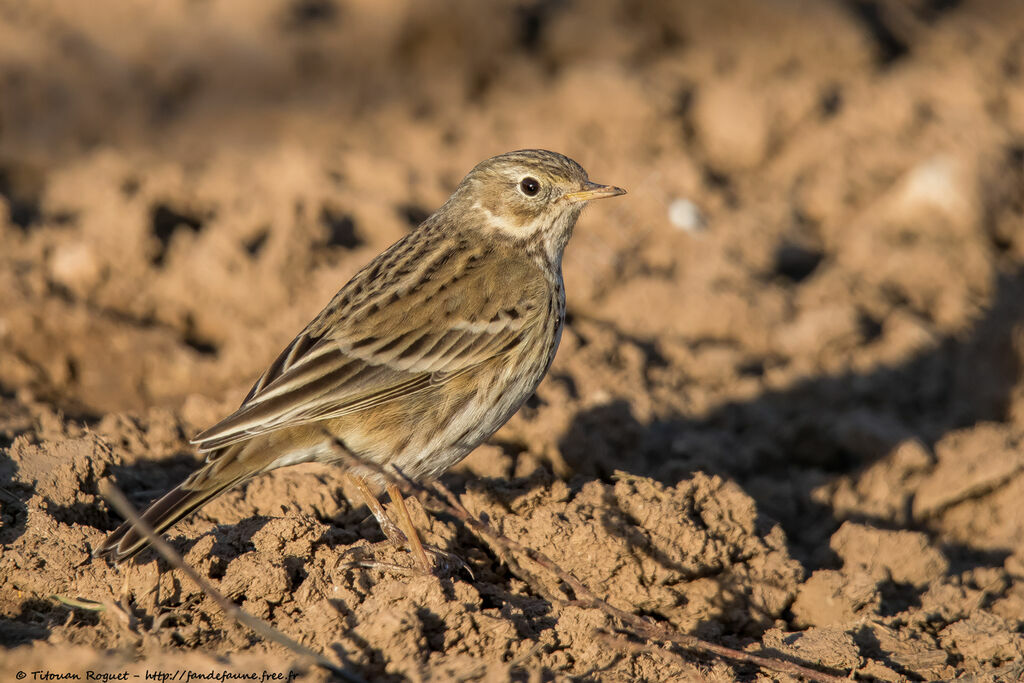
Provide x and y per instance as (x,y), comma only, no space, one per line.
(784,445)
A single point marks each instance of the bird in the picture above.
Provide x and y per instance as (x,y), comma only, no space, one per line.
(418,359)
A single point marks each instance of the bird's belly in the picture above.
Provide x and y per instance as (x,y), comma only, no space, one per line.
(484,413)
(427,433)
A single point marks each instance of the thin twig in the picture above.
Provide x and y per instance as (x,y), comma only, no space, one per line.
(505,547)
(260,627)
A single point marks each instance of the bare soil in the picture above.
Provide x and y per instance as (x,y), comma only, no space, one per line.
(787,414)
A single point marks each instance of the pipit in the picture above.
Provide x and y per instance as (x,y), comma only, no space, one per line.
(423,355)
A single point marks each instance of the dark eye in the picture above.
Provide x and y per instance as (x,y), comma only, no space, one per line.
(529,186)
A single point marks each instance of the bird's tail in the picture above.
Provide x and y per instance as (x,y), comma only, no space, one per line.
(125,541)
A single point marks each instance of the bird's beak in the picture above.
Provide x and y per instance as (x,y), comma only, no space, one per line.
(594,191)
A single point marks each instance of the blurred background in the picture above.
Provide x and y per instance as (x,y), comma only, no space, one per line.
(814,186)
(814,286)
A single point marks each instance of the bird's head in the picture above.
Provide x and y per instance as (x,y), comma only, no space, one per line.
(531,196)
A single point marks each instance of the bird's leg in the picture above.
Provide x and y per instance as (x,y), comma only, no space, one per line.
(391,530)
(408,537)
(415,545)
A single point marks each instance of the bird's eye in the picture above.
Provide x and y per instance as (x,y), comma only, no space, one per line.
(529,186)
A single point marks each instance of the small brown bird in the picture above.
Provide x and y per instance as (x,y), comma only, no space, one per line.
(423,355)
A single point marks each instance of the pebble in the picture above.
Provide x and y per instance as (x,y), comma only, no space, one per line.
(685,215)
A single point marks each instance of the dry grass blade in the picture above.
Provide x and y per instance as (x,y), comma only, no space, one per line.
(79,603)
(505,547)
(258,626)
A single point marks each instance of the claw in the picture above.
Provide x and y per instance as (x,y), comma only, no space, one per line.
(443,562)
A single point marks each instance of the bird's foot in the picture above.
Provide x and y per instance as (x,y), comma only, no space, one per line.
(372,556)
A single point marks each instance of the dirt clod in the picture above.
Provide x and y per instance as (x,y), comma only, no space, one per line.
(787,412)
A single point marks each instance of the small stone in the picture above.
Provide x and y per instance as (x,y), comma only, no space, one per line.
(685,215)
(75,266)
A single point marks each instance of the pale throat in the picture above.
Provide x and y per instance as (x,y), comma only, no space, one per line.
(554,230)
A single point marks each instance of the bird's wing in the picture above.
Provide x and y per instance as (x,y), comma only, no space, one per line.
(391,344)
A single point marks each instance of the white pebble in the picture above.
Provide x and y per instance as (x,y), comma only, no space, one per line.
(74,265)
(934,183)
(685,215)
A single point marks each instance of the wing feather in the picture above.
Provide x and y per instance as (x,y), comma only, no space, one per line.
(414,344)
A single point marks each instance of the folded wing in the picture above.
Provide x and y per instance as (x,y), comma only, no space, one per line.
(355,357)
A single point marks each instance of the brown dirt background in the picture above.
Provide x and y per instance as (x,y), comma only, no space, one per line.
(796,427)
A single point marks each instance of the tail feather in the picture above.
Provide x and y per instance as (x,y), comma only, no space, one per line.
(126,541)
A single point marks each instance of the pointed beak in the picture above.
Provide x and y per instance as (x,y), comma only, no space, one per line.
(594,191)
